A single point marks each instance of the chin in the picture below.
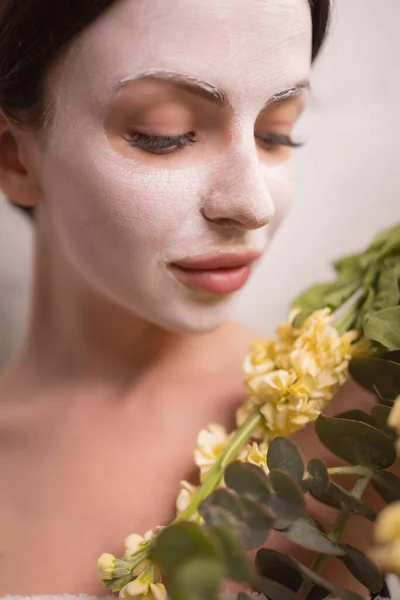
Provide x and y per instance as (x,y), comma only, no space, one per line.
(196,319)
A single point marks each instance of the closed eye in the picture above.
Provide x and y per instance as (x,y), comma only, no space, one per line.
(156,144)
(274,140)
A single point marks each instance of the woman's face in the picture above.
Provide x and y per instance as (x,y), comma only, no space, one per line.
(167,165)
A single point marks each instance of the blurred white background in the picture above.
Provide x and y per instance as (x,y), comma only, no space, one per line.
(348,175)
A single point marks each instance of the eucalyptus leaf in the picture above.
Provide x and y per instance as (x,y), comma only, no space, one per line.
(238,565)
(199,579)
(278,568)
(377,374)
(272,590)
(381,414)
(358,415)
(224,499)
(339,498)
(287,500)
(284,454)
(387,485)
(302,533)
(363,569)
(182,542)
(319,477)
(243,596)
(250,521)
(257,521)
(383,326)
(336,591)
(247,479)
(392,355)
(355,442)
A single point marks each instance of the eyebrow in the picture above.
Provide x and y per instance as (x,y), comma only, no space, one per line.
(207,90)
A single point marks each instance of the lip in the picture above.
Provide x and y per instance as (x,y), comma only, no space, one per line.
(218,273)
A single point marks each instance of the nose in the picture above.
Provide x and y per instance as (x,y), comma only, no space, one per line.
(239,195)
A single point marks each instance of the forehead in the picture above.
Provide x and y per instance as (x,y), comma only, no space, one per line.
(252,47)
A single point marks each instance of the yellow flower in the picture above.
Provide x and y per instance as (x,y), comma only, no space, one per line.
(256,454)
(134,543)
(387,534)
(394,419)
(143,590)
(291,380)
(243,413)
(210,443)
(106,564)
(186,495)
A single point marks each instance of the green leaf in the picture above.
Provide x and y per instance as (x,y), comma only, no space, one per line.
(249,480)
(358,415)
(272,590)
(377,374)
(387,485)
(339,498)
(258,522)
(199,579)
(336,591)
(222,498)
(357,443)
(381,414)
(312,298)
(243,596)
(287,500)
(350,263)
(341,292)
(320,480)
(388,287)
(385,237)
(383,326)
(302,533)
(278,568)
(363,569)
(238,566)
(283,454)
(250,521)
(182,542)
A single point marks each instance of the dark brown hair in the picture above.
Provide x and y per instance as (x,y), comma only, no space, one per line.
(33,33)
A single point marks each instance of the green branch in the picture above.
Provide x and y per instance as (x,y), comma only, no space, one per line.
(337,530)
(215,475)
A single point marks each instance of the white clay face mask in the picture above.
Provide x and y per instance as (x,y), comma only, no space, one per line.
(157,190)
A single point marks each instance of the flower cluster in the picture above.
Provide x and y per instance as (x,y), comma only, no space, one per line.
(293,377)
(290,380)
(134,576)
(210,443)
(394,420)
(387,534)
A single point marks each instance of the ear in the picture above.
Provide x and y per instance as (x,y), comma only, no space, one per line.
(17,179)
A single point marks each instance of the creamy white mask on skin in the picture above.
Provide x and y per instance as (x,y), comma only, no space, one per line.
(125,201)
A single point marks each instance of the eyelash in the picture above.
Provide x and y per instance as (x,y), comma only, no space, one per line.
(166,144)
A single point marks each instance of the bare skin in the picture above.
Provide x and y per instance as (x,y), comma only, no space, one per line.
(83,464)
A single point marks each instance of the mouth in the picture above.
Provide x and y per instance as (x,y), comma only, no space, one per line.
(221,273)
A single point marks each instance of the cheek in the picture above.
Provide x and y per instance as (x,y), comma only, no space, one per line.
(119,208)
(280,182)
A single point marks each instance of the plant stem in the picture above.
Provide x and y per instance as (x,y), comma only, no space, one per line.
(360,471)
(338,528)
(215,475)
